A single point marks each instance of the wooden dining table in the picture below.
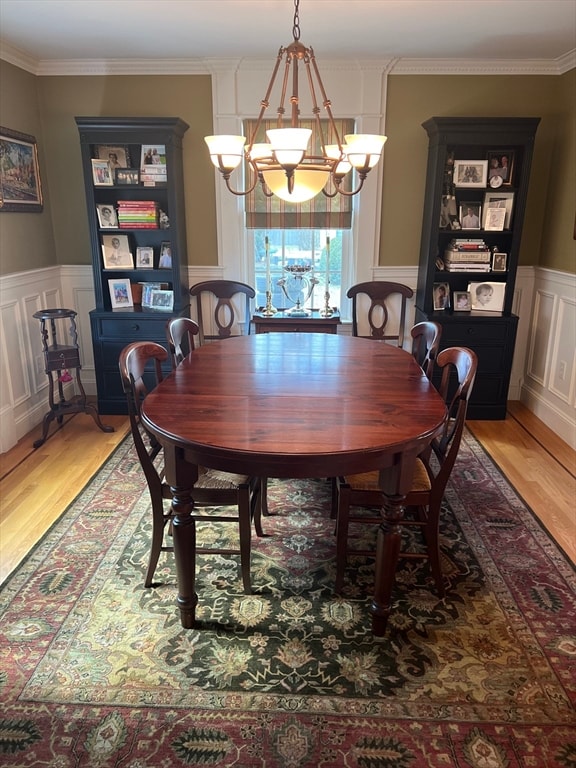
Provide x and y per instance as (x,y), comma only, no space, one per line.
(294,405)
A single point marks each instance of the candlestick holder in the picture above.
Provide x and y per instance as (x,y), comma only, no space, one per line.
(269,309)
(327,310)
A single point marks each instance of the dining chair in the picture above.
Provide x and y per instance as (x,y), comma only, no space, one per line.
(424,501)
(180,333)
(224,317)
(425,344)
(374,318)
(212,488)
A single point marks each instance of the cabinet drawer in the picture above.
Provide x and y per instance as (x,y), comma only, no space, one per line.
(132,328)
(474,332)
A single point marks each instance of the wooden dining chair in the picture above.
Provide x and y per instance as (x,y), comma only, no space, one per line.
(371,304)
(425,344)
(224,319)
(180,333)
(212,488)
(423,503)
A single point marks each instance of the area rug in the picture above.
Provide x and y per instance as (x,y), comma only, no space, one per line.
(97,671)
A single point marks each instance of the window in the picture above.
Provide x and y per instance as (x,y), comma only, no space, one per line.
(306,248)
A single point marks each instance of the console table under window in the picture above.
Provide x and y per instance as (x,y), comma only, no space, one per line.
(283,322)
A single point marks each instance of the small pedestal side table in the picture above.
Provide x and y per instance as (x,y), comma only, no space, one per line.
(58,360)
(284,322)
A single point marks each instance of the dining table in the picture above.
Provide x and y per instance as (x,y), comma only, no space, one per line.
(294,405)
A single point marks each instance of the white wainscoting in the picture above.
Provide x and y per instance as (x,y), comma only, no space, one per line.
(543,371)
(549,384)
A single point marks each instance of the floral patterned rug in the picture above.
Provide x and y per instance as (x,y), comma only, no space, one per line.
(97,671)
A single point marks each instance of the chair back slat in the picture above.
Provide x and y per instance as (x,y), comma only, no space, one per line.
(380,294)
(224,316)
(180,333)
(425,344)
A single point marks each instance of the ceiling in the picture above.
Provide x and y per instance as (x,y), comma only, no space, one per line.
(480,30)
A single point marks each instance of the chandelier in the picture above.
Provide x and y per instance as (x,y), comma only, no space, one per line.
(282,164)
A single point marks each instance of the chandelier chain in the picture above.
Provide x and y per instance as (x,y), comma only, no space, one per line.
(296,25)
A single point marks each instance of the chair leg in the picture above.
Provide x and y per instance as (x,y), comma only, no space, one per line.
(245,529)
(264,497)
(256,502)
(159,521)
(342,491)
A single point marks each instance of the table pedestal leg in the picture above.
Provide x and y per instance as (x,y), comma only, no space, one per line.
(184,539)
(387,554)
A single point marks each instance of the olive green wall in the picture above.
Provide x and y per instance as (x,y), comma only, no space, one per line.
(559,232)
(413,99)
(186,96)
(46,107)
(26,239)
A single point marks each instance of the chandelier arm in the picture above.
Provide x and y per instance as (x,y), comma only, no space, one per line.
(294,100)
(240,193)
(326,102)
(345,193)
(265,103)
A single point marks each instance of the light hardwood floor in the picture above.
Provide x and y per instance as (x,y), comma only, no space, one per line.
(36,486)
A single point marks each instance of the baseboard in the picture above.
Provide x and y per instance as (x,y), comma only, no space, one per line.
(558,422)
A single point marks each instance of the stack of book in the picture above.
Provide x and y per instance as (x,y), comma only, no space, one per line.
(467,255)
(137,214)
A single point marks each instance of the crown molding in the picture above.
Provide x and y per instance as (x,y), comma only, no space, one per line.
(198,66)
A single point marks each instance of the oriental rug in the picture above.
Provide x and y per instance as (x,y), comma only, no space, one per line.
(97,671)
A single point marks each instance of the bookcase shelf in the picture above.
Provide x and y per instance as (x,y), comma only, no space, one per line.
(454,143)
(113,328)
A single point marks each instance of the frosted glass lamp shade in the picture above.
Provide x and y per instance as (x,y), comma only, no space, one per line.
(307,184)
(289,144)
(364,149)
(226,151)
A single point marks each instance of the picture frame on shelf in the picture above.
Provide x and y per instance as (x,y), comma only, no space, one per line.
(162,300)
(165,260)
(500,200)
(120,293)
(107,217)
(145,258)
(102,173)
(470,173)
(147,289)
(462,301)
(126,176)
(500,168)
(448,211)
(116,252)
(499,261)
(487,296)
(20,184)
(441,296)
(153,156)
(118,157)
(494,219)
(470,215)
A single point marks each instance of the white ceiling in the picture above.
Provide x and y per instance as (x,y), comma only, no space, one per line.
(479,30)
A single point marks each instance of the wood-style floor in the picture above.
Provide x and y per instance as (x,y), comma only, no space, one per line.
(36,486)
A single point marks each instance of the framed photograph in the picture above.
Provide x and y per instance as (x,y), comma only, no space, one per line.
(462,301)
(153,155)
(470,173)
(145,258)
(107,218)
(500,168)
(500,200)
(147,289)
(495,219)
(163,300)
(102,173)
(20,187)
(448,212)
(127,176)
(120,293)
(470,215)
(488,297)
(499,261)
(441,295)
(165,261)
(118,157)
(116,252)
